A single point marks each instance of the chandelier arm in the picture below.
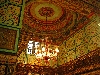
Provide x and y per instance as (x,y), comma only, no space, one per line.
(46,19)
(47,52)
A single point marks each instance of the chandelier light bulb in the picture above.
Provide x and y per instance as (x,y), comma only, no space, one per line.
(36,51)
(57,50)
(43,49)
(99,24)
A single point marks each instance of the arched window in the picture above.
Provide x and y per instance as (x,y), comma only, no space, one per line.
(31,47)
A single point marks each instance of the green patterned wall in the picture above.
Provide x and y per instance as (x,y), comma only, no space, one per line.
(7,64)
(22,58)
(79,44)
(11,15)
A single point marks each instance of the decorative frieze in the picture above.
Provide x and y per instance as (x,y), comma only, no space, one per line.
(8,59)
(87,63)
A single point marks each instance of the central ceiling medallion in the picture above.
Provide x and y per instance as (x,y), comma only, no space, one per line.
(44,10)
(35,17)
(46,19)
(38,10)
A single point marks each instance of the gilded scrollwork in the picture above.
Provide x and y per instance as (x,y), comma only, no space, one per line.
(5,41)
(18,2)
(8,59)
(9,14)
(2,69)
(82,42)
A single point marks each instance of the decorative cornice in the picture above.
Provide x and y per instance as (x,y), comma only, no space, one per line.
(87,63)
(8,59)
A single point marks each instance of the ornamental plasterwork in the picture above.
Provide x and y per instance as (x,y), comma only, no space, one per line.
(61,23)
(72,16)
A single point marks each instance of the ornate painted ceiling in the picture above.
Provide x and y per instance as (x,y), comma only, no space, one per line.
(56,19)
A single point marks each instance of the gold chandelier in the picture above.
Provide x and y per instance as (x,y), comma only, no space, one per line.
(45,50)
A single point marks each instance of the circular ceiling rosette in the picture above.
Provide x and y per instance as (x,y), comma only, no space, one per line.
(35,16)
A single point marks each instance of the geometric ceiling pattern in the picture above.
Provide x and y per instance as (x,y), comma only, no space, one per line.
(56,19)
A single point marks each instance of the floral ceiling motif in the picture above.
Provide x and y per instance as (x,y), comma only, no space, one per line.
(64,18)
(46,11)
(55,19)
